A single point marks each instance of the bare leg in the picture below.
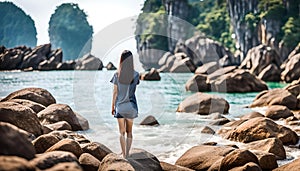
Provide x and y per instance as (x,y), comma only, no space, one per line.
(121,122)
(128,124)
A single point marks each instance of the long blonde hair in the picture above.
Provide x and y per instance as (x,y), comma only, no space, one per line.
(125,71)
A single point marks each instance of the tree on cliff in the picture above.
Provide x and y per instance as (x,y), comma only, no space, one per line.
(70,30)
(16,28)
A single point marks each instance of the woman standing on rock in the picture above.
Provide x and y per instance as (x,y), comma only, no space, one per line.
(124,104)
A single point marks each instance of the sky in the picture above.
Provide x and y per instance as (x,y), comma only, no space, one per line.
(101,15)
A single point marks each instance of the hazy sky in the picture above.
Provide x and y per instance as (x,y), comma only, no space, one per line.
(100,12)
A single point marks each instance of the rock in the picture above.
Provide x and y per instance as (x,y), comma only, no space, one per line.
(67,145)
(63,134)
(61,125)
(54,58)
(270,73)
(96,149)
(89,162)
(261,128)
(183,65)
(114,162)
(267,161)
(292,166)
(36,56)
(294,87)
(89,62)
(37,95)
(65,166)
(36,107)
(60,112)
(14,163)
(203,104)
(277,111)
(269,145)
(14,142)
(260,57)
(207,68)
(251,115)
(207,130)
(152,75)
(149,120)
(67,65)
(247,167)
(198,82)
(237,158)
(162,61)
(240,81)
(275,97)
(230,126)
(220,72)
(221,121)
(21,116)
(49,159)
(291,70)
(203,157)
(110,66)
(43,142)
(170,167)
(143,160)
(10,59)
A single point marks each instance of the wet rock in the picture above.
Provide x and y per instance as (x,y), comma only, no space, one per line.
(294,165)
(37,95)
(61,112)
(207,130)
(43,142)
(203,157)
(89,162)
(152,75)
(198,82)
(67,145)
(89,62)
(114,162)
(203,104)
(221,121)
(267,161)
(149,120)
(14,163)
(143,160)
(252,115)
(21,116)
(14,142)
(277,111)
(96,149)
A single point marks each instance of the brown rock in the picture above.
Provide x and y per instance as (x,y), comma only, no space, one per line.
(291,71)
(149,120)
(37,95)
(14,142)
(152,75)
(65,166)
(36,107)
(143,160)
(294,87)
(267,161)
(207,68)
(292,166)
(277,111)
(270,73)
(247,167)
(252,115)
(183,65)
(61,125)
(96,149)
(14,163)
(10,58)
(170,167)
(49,159)
(60,112)
(89,62)
(67,145)
(21,116)
(269,145)
(89,162)
(203,104)
(275,97)
(63,134)
(220,121)
(220,72)
(197,82)
(110,66)
(114,162)
(230,126)
(261,128)
(207,130)
(238,81)
(202,157)
(43,142)
(237,158)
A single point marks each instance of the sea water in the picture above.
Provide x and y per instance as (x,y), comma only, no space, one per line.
(89,93)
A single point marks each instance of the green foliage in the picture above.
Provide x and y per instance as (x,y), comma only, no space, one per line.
(251,21)
(17,28)
(291,31)
(69,30)
(151,6)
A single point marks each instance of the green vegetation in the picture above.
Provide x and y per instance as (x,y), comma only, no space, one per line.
(17,28)
(291,31)
(69,30)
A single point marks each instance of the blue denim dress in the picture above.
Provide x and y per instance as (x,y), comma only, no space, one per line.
(126,104)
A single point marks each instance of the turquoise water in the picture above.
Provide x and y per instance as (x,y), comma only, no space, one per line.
(89,93)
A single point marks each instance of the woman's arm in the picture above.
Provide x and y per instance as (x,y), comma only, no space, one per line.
(115,91)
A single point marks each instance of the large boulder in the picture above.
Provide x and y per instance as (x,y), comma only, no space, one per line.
(21,116)
(49,159)
(207,68)
(43,142)
(96,149)
(277,111)
(36,56)
(89,62)
(203,157)
(143,160)
(220,72)
(10,58)
(204,104)
(149,120)
(292,69)
(15,142)
(110,66)
(247,167)
(179,62)
(292,166)
(61,112)
(67,145)
(36,107)
(183,65)
(275,97)
(267,161)
(198,82)
(65,166)
(61,125)
(261,128)
(238,81)
(152,75)
(114,162)
(89,162)
(270,73)
(53,59)
(37,95)
(170,167)
(14,163)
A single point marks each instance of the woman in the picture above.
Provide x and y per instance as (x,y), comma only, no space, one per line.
(124,104)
